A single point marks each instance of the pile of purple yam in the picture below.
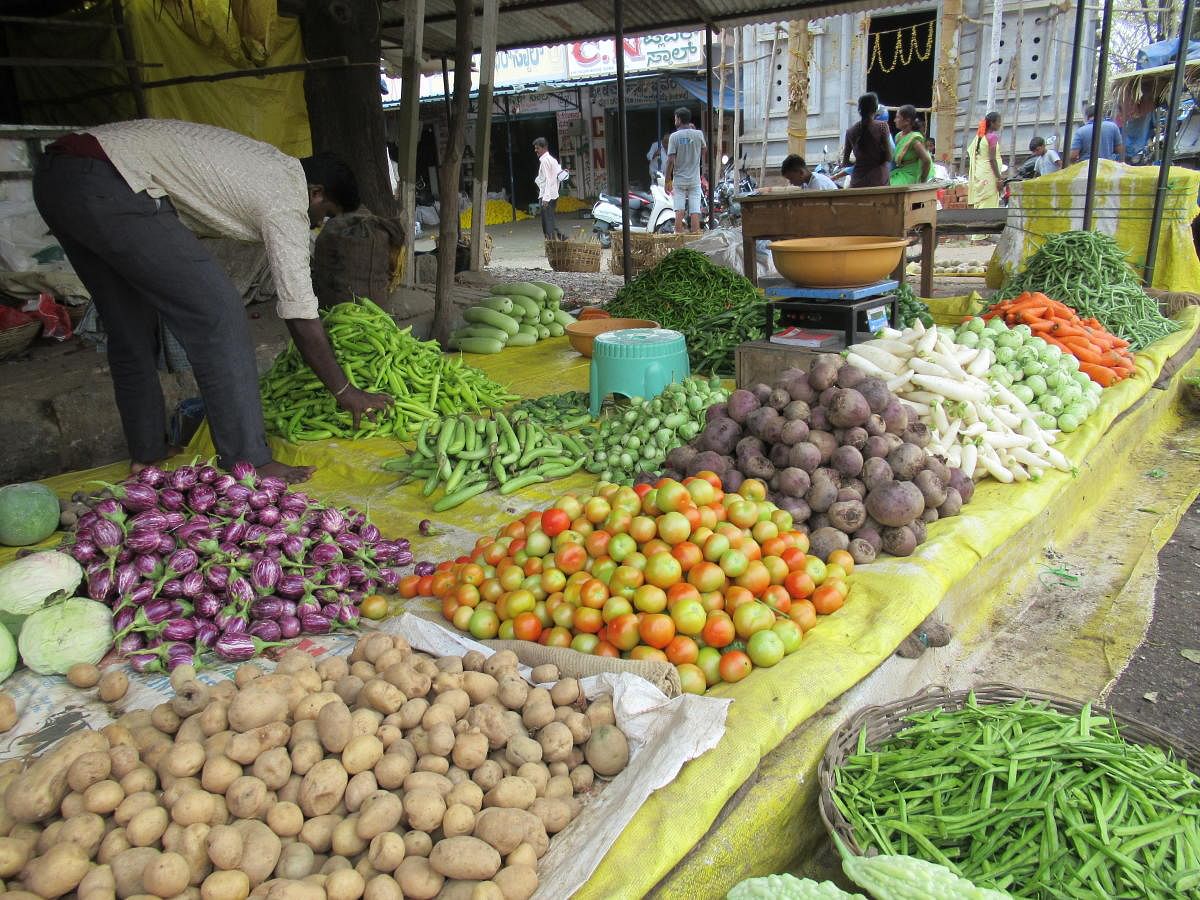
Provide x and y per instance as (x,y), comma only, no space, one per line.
(196,558)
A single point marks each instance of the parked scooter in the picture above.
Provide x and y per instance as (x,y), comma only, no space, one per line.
(733,184)
(652,211)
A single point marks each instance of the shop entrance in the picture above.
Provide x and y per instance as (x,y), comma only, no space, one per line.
(901,52)
(524,161)
(645,125)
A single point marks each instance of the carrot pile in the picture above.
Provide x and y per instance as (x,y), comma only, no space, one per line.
(1102,356)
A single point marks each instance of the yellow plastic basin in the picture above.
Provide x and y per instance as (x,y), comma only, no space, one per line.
(581,334)
(836,262)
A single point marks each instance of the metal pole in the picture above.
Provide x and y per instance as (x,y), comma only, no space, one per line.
(1073,86)
(512,175)
(1089,199)
(1164,168)
(623,149)
(134,75)
(712,148)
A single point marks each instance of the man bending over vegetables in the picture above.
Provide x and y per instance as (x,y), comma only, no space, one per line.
(124,200)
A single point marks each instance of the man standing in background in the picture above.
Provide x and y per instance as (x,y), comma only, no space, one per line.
(685,154)
(1112,142)
(657,158)
(547,182)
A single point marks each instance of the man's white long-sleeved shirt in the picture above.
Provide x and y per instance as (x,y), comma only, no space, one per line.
(224,184)
(547,178)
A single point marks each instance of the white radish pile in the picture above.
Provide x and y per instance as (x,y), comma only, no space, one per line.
(977,425)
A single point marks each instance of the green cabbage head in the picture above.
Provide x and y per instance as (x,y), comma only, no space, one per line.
(62,634)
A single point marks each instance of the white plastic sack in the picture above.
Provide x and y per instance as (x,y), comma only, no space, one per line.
(724,247)
(26,244)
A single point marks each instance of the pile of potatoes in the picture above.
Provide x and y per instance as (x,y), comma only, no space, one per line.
(385,775)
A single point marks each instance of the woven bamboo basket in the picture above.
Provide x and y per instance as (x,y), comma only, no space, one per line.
(574,256)
(647,250)
(14,340)
(1172,302)
(881,722)
(76,313)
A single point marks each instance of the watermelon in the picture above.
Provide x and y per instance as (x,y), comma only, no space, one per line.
(28,514)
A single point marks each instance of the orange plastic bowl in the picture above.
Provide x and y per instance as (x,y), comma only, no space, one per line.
(581,334)
(837,262)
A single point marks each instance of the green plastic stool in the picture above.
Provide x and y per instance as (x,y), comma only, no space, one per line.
(636,362)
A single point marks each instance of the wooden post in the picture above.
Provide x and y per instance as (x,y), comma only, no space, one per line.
(769,92)
(451,169)
(409,130)
(737,96)
(133,73)
(945,79)
(483,131)
(993,70)
(1015,83)
(718,146)
(799,52)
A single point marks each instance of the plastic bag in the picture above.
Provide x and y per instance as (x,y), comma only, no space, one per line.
(56,321)
(724,247)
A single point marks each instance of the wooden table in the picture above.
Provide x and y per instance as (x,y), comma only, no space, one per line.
(889,211)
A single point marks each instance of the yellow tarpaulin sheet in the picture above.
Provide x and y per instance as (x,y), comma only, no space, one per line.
(888,600)
(203,37)
(1124,205)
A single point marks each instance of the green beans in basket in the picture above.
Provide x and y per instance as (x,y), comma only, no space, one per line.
(1024,798)
(376,355)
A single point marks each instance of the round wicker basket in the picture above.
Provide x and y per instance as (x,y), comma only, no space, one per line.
(881,722)
(14,340)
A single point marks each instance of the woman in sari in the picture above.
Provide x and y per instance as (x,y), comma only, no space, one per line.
(912,163)
(983,158)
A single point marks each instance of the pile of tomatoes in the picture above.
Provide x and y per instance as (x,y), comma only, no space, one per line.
(715,583)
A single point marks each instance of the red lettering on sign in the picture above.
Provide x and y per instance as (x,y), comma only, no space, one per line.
(597,126)
(598,157)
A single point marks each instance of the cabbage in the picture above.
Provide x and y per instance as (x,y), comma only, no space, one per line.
(8,654)
(1023,393)
(968,339)
(1005,354)
(1037,384)
(1045,421)
(62,634)
(27,583)
(975,325)
(1068,423)
(1051,403)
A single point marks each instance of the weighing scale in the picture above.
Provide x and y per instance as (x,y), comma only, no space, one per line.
(857,312)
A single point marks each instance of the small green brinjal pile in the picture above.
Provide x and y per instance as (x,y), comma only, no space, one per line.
(637,437)
(566,411)
(911,307)
(1024,798)
(376,355)
(1088,272)
(468,455)
(714,308)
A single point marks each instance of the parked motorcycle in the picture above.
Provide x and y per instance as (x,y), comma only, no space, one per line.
(652,211)
(734,183)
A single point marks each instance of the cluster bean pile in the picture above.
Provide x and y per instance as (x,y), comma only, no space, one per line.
(1088,272)
(467,456)
(714,308)
(196,558)
(385,775)
(1022,797)
(839,453)
(376,355)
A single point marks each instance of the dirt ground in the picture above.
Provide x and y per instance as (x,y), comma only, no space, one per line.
(1159,687)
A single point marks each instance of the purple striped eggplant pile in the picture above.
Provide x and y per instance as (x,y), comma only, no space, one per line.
(196,558)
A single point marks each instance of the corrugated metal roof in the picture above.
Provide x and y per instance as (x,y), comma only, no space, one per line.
(531,23)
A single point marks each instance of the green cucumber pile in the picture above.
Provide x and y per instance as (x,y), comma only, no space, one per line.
(516,315)
(376,355)
(466,455)
(1021,797)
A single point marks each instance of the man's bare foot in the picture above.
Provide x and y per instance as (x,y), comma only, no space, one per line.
(290,474)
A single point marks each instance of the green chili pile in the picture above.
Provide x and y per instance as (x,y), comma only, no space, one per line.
(1088,271)
(714,308)
(467,455)
(1023,798)
(376,356)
